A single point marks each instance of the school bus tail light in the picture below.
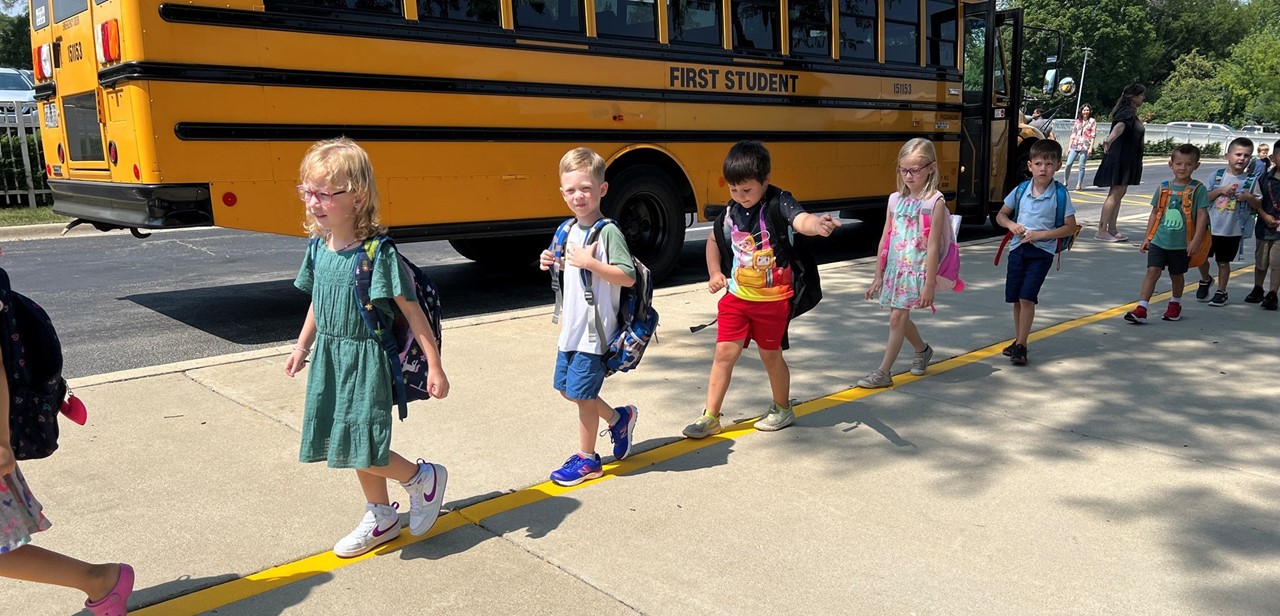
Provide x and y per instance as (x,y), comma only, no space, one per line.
(106,38)
(42,62)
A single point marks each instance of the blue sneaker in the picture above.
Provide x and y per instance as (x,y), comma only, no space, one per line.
(577,469)
(620,432)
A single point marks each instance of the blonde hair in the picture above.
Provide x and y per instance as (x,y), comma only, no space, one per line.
(919,148)
(342,164)
(583,159)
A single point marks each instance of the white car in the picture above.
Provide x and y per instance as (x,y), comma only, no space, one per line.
(15,89)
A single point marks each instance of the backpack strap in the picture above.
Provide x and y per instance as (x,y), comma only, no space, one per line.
(378,323)
(1018,194)
(1162,204)
(557,274)
(596,333)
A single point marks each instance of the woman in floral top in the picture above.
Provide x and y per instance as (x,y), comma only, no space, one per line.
(1082,135)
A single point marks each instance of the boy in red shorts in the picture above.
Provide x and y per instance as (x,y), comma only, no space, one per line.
(760,281)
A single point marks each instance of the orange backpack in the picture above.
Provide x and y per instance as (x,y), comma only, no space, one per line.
(1188,214)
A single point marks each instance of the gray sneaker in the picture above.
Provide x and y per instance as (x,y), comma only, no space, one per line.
(920,363)
(776,418)
(706,425)
(875,379)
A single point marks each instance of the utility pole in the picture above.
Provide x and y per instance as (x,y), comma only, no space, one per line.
(1080,92)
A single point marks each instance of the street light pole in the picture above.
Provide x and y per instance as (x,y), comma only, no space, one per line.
(1080,92)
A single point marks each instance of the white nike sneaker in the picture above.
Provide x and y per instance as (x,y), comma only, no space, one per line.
(381,524)
(426,494)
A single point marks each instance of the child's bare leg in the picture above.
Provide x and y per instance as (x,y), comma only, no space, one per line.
(1260,274)
(1017,319)
(721,373)
(373,480)
(590,412)
(1224,274)
(36,564)
(1149,283)
(779,376)
(898,319)
(1028,310)
(1204,270)
(1275,279)
(913,335)
(1179,282)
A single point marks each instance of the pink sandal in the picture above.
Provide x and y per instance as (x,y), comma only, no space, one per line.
(116,603)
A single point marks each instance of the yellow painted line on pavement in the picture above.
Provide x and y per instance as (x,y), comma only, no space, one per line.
(258,583)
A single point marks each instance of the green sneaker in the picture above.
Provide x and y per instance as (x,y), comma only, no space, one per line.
(706,425)
(776,418)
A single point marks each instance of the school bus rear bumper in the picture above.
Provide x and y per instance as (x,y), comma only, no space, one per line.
(141,206)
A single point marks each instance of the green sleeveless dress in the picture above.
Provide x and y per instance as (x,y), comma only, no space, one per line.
(349,394)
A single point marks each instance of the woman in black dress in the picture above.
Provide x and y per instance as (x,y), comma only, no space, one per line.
(1121,165)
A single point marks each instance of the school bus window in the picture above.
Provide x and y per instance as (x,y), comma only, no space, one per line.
(858,29)
(627,18)
(755,25)
(558,15)
(475,11)
(810,27)
(941,32)
(694,21)
(64,9)
(84,133)
(377,7)
(901,31)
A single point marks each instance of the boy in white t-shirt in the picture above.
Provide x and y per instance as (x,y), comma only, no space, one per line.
(1233,193)
(580,368)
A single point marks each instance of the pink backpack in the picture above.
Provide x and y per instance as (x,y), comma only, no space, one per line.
(949,265)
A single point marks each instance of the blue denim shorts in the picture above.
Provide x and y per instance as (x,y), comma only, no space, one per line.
(579,375)
(1028,267)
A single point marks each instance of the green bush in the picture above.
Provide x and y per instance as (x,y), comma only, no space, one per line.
(13,176)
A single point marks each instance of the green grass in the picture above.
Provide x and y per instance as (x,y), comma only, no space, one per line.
(20,215)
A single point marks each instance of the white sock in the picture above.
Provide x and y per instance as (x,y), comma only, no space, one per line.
(1142,303)
(1175,300)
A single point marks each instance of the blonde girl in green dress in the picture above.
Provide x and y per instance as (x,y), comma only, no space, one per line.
(347,422)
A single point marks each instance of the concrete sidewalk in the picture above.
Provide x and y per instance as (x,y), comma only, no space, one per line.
(1127,469)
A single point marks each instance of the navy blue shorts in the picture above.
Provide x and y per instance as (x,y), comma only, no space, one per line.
(1028,267)
(579,375)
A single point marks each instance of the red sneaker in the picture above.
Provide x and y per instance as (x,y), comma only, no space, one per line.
(1173,312)
(1137,315)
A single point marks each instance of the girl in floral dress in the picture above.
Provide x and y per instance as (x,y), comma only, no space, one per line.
(908,275)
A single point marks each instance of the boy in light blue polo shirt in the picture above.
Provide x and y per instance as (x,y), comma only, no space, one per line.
(1035,239)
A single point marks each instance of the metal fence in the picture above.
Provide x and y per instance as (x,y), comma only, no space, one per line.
(22,177)
(1156,133)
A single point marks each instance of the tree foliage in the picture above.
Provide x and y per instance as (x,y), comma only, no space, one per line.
(1201,60)
(15,41)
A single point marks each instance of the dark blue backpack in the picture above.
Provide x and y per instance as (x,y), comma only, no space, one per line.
(408,363)
(33,367)
(637,319)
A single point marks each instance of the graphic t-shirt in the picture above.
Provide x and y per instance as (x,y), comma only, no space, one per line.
(1225,214)
(760,272)
(1171,231)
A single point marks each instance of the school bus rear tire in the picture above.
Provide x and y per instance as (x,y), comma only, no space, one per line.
(646,204)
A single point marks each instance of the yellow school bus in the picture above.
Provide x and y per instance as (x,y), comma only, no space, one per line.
(164,114)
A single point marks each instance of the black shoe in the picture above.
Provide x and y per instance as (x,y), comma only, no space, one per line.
(1269,302)
(1219,299)
(1254,296)
(1019,355)
(1202,291)
(1008,351)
